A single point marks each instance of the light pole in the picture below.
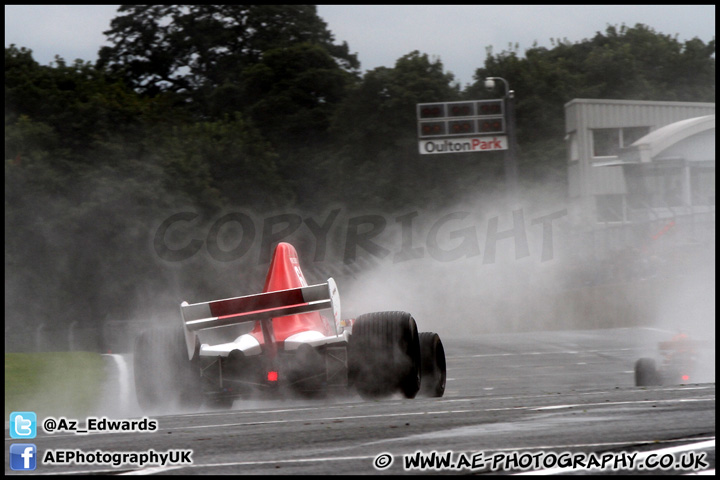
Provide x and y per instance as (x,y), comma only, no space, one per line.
(511,171)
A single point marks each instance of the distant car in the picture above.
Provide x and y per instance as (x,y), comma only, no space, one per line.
(277,342)
(678,365)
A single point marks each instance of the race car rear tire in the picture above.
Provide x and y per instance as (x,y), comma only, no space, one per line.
(164,376)
(646,373)
(384,355)
(433,372)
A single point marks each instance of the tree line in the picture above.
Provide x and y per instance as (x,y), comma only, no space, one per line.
(258,107)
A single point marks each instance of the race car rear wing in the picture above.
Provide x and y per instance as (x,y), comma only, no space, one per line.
(261,306)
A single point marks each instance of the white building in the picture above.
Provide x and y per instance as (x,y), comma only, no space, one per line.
(639,166)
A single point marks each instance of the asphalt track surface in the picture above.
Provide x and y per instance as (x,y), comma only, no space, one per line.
(515,403)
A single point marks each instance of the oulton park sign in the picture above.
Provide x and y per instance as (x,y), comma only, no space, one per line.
(462,145)
(461,127)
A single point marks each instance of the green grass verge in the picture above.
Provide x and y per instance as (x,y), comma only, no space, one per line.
(53,384)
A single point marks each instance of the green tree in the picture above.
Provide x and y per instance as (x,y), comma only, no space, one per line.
(276,65)
(201,47)
(80,192)
(376,134)
(219,163)
(292,91)
(92,118)
(290,96)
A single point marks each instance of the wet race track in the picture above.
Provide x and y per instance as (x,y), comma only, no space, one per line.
(523,402)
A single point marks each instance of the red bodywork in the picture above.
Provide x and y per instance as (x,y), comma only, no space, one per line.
(284,273)
(679,360)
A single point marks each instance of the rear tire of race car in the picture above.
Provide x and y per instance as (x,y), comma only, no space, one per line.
(384,355)
(433,372)
(164,376)
(646,373)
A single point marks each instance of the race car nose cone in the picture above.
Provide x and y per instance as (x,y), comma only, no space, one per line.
(284,271)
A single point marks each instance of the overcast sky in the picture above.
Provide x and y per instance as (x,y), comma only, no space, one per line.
(380,34)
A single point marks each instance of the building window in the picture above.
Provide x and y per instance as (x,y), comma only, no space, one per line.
(630,135)
(654,186)
(609,208)
(607,142)
(665,185)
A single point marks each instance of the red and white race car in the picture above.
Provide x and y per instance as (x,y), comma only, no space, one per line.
(278,342)
(678,365)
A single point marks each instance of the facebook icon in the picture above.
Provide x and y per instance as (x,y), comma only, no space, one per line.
(22,456)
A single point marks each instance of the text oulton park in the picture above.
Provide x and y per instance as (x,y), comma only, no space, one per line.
(481,144)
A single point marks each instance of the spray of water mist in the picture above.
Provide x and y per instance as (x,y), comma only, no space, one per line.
(482,265)
(497,285)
